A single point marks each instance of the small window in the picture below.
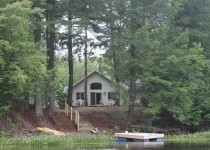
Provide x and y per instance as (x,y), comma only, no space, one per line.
(80,95)
(96,86)
(111,95)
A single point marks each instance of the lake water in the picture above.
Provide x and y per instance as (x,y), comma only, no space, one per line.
(123,146)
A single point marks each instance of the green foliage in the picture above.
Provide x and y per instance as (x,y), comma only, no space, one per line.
(169,59)
(177,82)
(55,140)
(4,110)
(121,93)
(21,63)
(183,138)
(3,134)
(79,69)
(61,82)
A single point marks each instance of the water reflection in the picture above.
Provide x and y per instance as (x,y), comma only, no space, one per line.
(122,146)
(139,145)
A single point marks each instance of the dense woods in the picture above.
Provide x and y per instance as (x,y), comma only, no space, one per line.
(159,49)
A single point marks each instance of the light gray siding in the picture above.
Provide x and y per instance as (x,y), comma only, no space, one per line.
(94,78)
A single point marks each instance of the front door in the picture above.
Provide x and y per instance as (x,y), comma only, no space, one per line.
(95,98)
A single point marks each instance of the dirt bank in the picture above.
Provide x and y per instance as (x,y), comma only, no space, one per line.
(20,121)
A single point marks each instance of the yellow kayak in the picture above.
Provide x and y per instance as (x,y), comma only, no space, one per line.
(49,131)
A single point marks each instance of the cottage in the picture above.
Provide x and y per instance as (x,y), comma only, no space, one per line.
(99,90)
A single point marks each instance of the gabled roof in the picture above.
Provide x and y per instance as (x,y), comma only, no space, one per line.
(65,90)
(90,75)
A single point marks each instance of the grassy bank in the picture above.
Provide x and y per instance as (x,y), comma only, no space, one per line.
(55,140)
(51,140)
(195,137)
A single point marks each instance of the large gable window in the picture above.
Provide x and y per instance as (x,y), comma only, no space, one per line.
(96,86)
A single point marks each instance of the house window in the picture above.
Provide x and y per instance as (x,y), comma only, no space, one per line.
(96,86)
(111,95)
(80,95)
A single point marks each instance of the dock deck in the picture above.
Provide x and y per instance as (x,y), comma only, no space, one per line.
(139,137)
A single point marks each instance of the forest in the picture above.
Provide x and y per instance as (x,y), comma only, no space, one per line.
(159,49)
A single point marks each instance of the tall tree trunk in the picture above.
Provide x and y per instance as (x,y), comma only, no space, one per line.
(132,96)
(132,88)
(70,61)
(113,49)
(114,59)
(38,29)
(51,54)
(117,80)
(37,40)
(38,103)
(85,53)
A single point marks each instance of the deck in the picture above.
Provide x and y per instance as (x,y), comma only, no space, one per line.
(139,137)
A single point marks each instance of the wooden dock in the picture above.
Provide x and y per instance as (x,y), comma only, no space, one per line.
(139,137)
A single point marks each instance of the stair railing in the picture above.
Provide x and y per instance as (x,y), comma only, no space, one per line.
(74,114)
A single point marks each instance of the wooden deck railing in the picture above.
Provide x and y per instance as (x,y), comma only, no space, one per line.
(74,114)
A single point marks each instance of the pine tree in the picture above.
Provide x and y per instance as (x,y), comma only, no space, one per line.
(50,39)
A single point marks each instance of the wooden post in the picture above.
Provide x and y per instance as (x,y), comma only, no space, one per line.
(78,122)
(76,117)
(65,109)
(71,113)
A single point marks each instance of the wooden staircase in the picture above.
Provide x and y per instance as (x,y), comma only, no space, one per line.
(81,124)
(85,126)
